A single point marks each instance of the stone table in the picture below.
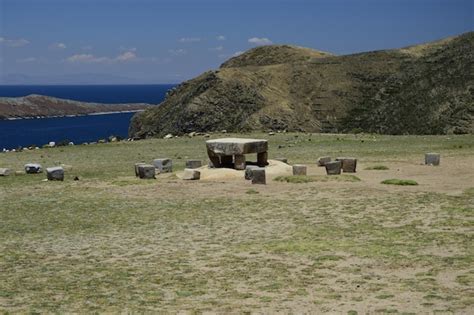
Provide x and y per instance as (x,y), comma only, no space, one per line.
(231,151)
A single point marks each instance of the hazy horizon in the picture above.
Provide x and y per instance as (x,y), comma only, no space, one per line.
(158,42)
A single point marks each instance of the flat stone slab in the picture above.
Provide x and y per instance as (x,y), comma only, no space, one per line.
(55,173)
(191,174)
(236,146)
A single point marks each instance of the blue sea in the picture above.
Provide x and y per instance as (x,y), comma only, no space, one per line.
(25,132)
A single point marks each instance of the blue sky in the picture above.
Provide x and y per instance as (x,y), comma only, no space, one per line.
(144,41)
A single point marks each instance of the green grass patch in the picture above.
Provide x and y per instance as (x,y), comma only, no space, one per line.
(300,179)
(377,168)
(400,182)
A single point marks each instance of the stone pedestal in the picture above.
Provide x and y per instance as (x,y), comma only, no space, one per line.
(333,168)
(193,164)
(55,173)
(349,165)
(323,160)
(432,159)
(33,168)
(146,171)
(258,176)
(164,165)
(299,169)
(191,174)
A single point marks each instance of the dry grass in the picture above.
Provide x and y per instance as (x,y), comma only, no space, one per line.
(112,243)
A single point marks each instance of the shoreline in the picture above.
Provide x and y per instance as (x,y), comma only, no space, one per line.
(72,115)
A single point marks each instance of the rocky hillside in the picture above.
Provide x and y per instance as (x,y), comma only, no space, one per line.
(45,106)
(423,89)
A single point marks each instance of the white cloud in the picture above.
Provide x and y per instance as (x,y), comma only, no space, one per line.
(90,58)
(57,46)
(87,58)
(126,56)
(177,52)
(218,48)
(260,41)
(13,42)
(189,40)
(88,47)
(221,37)
(26,60)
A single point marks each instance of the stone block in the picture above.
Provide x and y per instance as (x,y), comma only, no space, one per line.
(299,169)
(333,168)
(164,165)
(258,176)
(55,173)
(33,168)
(248,171)
(432,159)
(323,160)
(236,146)
(191,174)
(136,168)
(5,171)
(193,163)
(146,171)
(348,165)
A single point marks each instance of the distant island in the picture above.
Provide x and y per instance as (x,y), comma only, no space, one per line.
(40,106)
(422,89)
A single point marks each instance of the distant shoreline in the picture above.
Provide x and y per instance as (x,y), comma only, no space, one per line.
(71,116)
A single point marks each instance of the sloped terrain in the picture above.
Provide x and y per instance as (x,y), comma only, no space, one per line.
(424,89)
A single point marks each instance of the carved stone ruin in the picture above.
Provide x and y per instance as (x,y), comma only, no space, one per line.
(136,168)
(164,165)
(248,171)
(55,173)
(432,159)
(323,160)
(333,168)
(348,164)
(146,171)
(230,152)
(258,176)
(299,169)
(33,168)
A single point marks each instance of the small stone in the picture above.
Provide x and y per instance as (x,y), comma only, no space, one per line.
(164,165)
(258,176)
(168,136)
(193,163)
(191,174)
(55,173)
(348,165)
(271,133)
(5,171)
(146,171)
(102,141)
(333,168)
(52,144)
(137,174)
(299,169)
(323,160)
(284,160)
(248,171)
(76,178)
(33,168)
(432,159)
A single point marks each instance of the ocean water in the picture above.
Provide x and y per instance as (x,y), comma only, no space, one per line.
(25,132)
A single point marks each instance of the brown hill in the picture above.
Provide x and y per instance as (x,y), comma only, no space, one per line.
(423,89)
(45,106)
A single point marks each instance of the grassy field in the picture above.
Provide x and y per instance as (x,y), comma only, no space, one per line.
(113,243)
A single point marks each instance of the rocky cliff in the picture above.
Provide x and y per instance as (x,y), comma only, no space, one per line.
(423,89)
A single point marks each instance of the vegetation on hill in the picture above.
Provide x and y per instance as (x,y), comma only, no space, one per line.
(423,89)
(46,106)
